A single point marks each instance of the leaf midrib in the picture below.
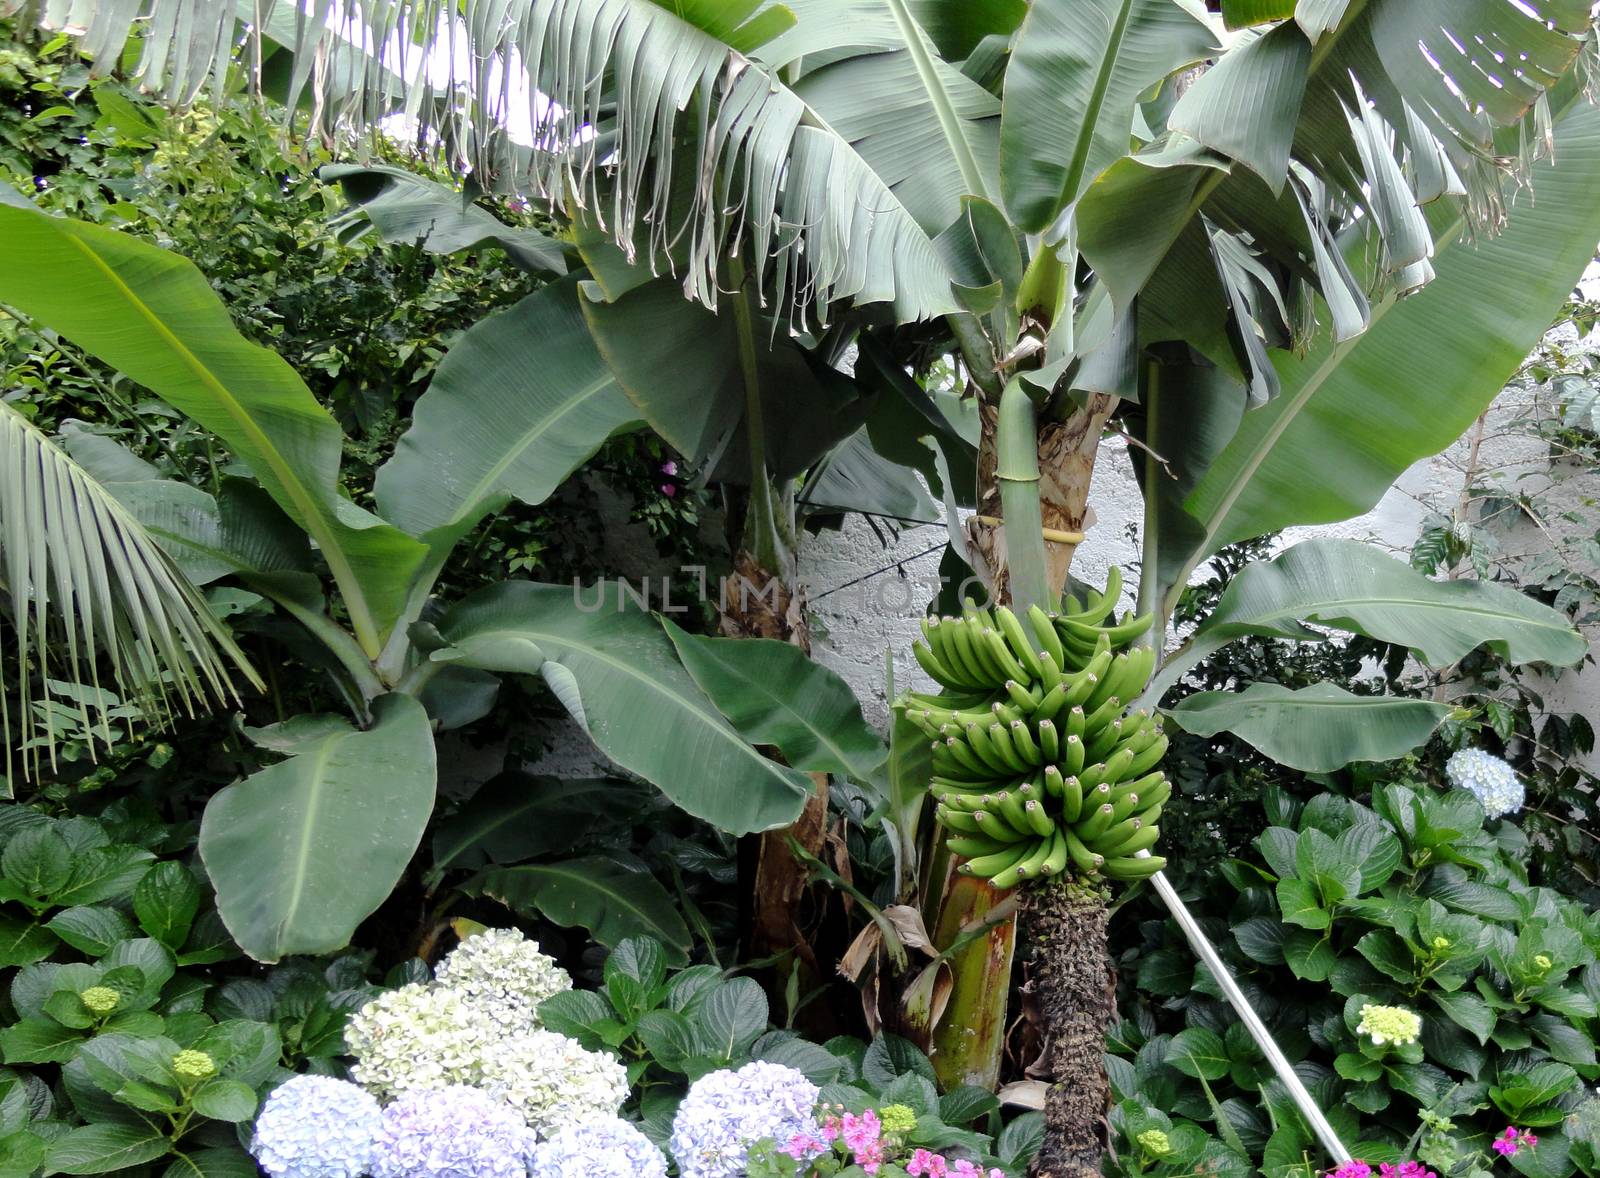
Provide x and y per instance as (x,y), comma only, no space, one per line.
(1311,608)
(1097,101)
(565,871)
(302,858)
(315,521)
(485,486)
(549,638)
(759,688)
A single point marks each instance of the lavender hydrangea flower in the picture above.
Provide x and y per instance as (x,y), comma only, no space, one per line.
(454,1132)
(316,1127)
(726,1111)
(606,1148)
(1489,779)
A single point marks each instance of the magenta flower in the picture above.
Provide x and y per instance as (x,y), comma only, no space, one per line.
(861,1132)
(668,490)
(926,1164)
(669,468)
(1405,1170)
(1353,1169)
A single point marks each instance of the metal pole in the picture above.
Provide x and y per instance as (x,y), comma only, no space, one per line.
(1252,1021)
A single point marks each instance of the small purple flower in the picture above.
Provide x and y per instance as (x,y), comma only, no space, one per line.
(670,469)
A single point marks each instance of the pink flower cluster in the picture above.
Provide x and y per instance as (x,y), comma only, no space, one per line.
(926,1164)
(1360,1169)
(862,1136)
(1512,1140)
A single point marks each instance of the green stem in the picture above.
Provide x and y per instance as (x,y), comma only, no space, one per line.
(338,640)
(1150,547)
(763,538)
(1017,473)
(391,663)
(977,351)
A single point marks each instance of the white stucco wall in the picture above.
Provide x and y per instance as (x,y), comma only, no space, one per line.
(852,628)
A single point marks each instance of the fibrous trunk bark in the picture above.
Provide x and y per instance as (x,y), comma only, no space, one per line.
(756,603)
(1067,451)
(1074,989)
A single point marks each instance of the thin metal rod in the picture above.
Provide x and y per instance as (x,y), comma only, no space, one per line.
(1252,1021)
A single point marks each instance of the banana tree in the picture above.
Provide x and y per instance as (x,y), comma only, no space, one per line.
(1057,196)
(521,400)
(780,427)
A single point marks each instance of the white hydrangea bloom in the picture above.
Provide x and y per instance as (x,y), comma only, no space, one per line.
(503,974)
(607,1148)
(418,1038)
(725,1112)
(1489,779)
(553,1081)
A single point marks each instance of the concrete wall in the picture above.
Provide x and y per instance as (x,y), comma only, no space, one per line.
(853,626)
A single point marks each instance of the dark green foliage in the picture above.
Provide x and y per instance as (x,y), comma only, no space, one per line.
(1393,895)
(114,961)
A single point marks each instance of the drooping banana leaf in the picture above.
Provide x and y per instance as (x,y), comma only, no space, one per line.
(773,694)
(1316,729)
(613,897)
(1357,588)
(1353,416)
(304,850)
(519,402)
(152,315)
(617,673)
(408,209)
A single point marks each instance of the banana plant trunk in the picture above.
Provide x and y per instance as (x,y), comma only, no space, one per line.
(1069,974)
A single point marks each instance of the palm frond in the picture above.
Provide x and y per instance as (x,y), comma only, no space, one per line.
(85,586)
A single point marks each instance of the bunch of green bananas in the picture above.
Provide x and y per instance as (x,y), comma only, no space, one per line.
(1036,761)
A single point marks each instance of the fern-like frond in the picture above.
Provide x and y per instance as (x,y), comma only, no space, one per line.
(86,587)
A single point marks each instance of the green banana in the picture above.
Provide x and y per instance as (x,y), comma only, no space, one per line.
(1049,741)
(1104,742)
(974,847)
(1027,748)
(1083,858)
(1114,835)
(997,827)
(1044,632)
(1132,868)
(957,820)
(1020,644)
(1056,861)
(1150,757)
(1028,867)
(1071,799)
(1141,840)
(987,866)
(1038,820)
(1095,824)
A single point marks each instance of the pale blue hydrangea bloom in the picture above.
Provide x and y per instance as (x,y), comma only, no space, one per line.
(316,1127)
(454,1132)
(725,1112)
(1489,779)
(608,1147)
